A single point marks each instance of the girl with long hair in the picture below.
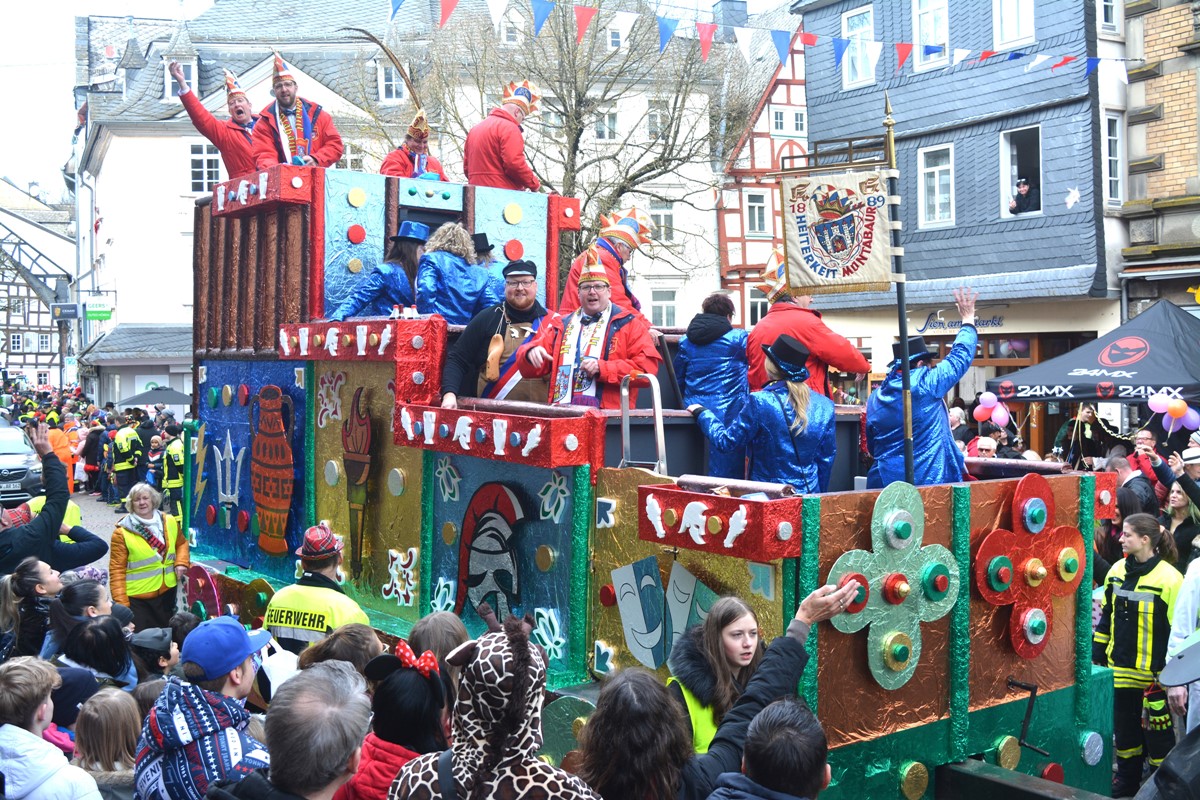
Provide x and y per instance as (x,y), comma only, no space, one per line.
(391,283)
(787,429)
(711,665)
(25,596)
(353,642)
(1181,518)
(106,736)
(98,645)
(77,602)
(440,632)
(635,746)
(1132,637)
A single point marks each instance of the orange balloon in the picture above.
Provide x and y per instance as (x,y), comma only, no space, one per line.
(1176,408)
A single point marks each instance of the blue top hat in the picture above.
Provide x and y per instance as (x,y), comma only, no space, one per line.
(417,231)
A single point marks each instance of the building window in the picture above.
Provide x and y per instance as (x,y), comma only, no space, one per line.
(511,28)
(777,122)
(352,158)
(662,308)
(756,213)
(932,26)
(859,27)
(1110,16)
(16,343)
(614,39)
(44,343)
(1012,23)
(606,127)
(936,189)
(1114,125)
(800,122)
(759,306)
(206,167)
(16,307)
(43,378)
(170,87)
(1020,157)
(790,122)
(391,85)
(657,119)
(662,214)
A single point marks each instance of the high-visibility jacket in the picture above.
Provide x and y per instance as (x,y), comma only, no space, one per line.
(704,723)
(1135,621)
(128,449)
(146,573)
(72,517)
(308,611)
(173,465)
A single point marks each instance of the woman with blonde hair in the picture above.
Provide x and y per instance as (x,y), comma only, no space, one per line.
(106,736)
(448,280)
(787,429)
(149,557)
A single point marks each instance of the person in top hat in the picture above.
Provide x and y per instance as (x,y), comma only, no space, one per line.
(293,130)
(787,429)
(494,152)
(232,137)
(412,159)
(586,353)
(1025,200)
(483,362)
(620,234)
(314,606)
(936,459)
(483,248)
(794,316)
(390,284)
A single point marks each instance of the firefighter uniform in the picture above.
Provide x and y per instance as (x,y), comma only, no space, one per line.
(127,452)
(173,462)
(309,610)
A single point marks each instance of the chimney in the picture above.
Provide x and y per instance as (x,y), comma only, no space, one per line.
(729,14)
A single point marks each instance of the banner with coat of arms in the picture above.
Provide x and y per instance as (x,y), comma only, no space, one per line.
(836,233)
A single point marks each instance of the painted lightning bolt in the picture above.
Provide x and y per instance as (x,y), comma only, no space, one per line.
(198,479)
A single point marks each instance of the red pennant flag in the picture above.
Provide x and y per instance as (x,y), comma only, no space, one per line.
(706,31)
(583,18)
(984,56)
(1065,60)
(808,39)
(448,7)
(903,51)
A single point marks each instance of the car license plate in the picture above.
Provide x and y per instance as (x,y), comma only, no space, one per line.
(8,487)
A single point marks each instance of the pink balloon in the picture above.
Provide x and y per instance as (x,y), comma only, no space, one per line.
(1018,345)
(1170,424)
(1158,402)
(1191,419)
(981,413)
(988,399)
(1000,416)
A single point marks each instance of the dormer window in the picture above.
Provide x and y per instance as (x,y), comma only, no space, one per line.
(170,87)
(391,85)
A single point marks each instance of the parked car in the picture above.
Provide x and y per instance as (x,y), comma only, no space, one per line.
(20,468)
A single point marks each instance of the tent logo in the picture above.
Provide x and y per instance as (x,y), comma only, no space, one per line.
(1007,390)
(1125,351)
(1105,390)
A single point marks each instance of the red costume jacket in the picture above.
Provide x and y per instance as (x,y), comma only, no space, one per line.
(826,348)
(621,296)
(399,162)
(628,348)
(494,154)
(232,140)
(325,147)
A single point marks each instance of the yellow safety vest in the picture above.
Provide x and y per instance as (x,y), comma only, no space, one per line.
(72,517)
(173,465)
(146,572)
(128,446)
(704,725)
(299,615)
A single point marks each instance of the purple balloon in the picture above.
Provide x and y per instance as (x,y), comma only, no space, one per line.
(1158,403)
(1191,420)
(1170,424)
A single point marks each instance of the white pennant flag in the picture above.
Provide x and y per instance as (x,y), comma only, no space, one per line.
(959,55)
(622,22)
(744,36)
(1115,69)
(874,50)
(496,9)
(1037,62)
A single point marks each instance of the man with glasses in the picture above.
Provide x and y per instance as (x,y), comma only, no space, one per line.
(483,362)
(586,353)
(293,130)
(1144,441)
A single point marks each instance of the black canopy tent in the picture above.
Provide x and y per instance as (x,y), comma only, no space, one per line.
(1156,351)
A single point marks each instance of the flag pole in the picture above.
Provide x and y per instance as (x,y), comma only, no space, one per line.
(893,184)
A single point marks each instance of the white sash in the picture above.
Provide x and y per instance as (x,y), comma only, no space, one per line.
(571,386)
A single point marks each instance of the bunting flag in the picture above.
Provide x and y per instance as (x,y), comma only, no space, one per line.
(496,9)
(1065,60)
(903,51)
(744,36)
(396,7)
(960,55)
(705,30)
(1037,62)
(930,50)
(583,18)
(448,7)
(1091,66)
(808,39)
(666,29)
(1013,56)
(874,51)
(783,45)
(541,13)
(1115,69)
(985,55)
(839,50)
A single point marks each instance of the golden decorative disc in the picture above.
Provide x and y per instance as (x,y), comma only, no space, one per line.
(545,557)
(513,213)
(1008,752)
(914,780)
(226,394)
(354,265)
(357,197)
(714,525)
(449,533)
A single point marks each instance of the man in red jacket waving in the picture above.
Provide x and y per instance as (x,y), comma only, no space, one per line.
(494,153)
(232,136)
(293,130)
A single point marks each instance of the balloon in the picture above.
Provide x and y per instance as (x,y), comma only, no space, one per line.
(1158,402)
(1018,345)
(1170,424)
(981,413)
(1191,420)
(1176,408)
(988,399)
(1000,416)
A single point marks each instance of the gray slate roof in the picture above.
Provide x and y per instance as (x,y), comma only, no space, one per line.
(150,342)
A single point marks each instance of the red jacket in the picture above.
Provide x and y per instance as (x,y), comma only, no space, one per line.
(628,348)
(1142,463)
(232,140)
(325,147)
(494,154)
(380,762)
(826,348)
(621,296)
(399,163)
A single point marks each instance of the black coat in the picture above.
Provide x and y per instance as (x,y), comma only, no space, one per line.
(38,537)
(1144,490)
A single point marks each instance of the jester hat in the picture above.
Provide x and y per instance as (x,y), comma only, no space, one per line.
(593,271)
(232,86)
(419,128)
(523,94)
(774,276)
(283,71)
(631,226)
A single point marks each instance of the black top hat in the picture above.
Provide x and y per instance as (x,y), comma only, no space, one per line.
(917,350)
(787,351)
(520,267)
(482,245)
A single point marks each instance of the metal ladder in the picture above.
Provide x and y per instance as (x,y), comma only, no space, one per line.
(660,439)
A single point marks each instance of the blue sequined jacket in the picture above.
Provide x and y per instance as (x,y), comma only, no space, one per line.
(385,286)
(448,285)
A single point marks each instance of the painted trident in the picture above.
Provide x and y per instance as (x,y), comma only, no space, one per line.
(229,479)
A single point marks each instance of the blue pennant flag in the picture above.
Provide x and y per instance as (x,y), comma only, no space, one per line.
(396,6)
(541,12)
(933,49)
(1015,55)
(666,29)
(783,44)
(1092,63)
(839,50)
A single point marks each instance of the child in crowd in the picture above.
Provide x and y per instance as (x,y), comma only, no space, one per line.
(106,736)
(25,596)
(354,642)
(154,653)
